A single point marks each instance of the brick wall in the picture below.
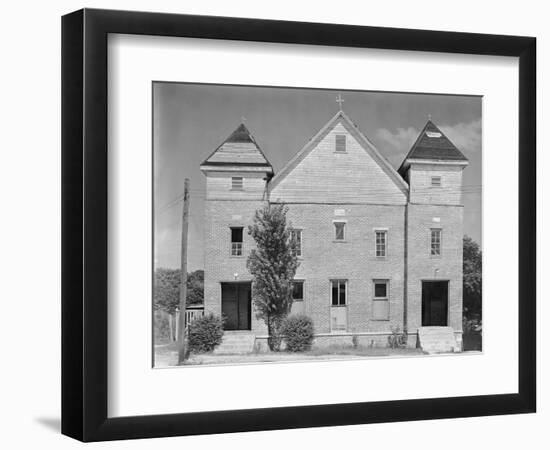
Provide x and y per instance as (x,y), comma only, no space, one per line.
(325,186)
(422,191)
(354,260)
(220,266)
(423,266)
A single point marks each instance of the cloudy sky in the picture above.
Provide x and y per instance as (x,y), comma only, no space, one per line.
(191,120)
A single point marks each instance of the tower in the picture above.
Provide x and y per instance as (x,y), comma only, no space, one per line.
(434,224)
(236,173)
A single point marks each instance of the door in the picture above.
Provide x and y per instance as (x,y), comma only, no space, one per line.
(236,305)
(338,308)
(435,303)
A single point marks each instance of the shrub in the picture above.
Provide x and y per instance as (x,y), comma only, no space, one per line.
(162,331)
(397,339)
(205,333)
(298,333)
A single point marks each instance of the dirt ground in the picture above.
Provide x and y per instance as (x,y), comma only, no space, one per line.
(166,355)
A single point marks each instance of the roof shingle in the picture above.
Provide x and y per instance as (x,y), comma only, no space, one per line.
(239,148)
(432,144)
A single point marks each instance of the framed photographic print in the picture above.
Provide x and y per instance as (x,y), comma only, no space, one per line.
(274,224)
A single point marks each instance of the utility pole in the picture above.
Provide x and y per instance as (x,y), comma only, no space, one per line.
(182,338)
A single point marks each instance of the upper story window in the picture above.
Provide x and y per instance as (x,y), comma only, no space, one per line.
(381,243)
(236,241)
(296,237)
(338,292)
(340,143)
(339,231)
(436,181)
(435,244)
(237,183)
(298,291)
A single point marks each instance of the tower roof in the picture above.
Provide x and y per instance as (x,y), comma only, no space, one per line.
(432,145)
(240,149)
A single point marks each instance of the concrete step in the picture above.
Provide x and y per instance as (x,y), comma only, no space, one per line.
(236,343)
(438,340)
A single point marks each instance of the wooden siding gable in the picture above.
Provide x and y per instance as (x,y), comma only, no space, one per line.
(320,173)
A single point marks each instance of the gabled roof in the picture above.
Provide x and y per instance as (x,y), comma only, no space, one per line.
(369,147)
(432,145)
(240,148)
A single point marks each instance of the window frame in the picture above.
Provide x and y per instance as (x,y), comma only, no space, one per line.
(302,282)
(299,253)
(340,281)
(236,251)
(383,231)
(337,137)
(440,243)
(436,177)
(385,298)
(237,188)
(335,236)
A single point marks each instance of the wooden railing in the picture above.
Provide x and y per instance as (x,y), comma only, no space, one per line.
(193,312)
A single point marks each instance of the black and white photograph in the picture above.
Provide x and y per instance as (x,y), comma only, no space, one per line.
(300,224)
(275,225)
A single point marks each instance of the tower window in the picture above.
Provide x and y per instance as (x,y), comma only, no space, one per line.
(236,241)
(435,246)
(237,183)
(340,143)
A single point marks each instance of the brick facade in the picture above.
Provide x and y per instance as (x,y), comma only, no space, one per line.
(359,188)
(354,260)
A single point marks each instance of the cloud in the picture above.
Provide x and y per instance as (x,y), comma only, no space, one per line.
(401,140)
(395,145)
(466,136)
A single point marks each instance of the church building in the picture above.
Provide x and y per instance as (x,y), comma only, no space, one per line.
(380,249)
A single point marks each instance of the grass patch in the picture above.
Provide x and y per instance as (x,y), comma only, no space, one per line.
(333,352)
(360,350)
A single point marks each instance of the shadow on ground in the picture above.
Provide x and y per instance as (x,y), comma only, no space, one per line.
(53,423)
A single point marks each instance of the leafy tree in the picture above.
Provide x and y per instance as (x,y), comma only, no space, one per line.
(167,289)
(273,264)
(195,287)
(471,281)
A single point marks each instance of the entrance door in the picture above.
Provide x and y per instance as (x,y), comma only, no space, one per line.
(236,301)
(435,303)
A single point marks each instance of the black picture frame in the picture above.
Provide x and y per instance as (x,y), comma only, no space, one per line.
(84,224)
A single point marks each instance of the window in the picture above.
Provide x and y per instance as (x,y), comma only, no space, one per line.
(296,236)
(435,247)
(381,240)
(237,241)
(237,183)
(339,231)
(340,143)
(380,303)
(338,292)
(436,181)
(298,291)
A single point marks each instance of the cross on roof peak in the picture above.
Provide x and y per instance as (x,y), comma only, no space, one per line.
(340,100)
